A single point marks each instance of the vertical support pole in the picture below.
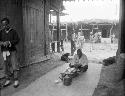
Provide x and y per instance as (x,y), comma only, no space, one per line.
(81,29)
(121,46)
(122,35)
(58,32)
(73,47)
(45,50)
(66,33)
(111,31)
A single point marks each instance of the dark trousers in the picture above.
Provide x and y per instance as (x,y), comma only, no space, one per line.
(80,67)
(62,45)
(73,47)
(83,68)
(11,67)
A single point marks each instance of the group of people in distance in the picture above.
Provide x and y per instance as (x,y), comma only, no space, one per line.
(77,41)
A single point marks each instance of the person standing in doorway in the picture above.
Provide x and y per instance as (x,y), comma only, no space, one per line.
(8,41)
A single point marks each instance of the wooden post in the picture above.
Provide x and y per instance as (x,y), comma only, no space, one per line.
(122,36)
(58,32)
(111,30)
(66,33)
(121,46)
(45,50)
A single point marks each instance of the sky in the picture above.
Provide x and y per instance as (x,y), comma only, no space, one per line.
(91,9)
(81,10)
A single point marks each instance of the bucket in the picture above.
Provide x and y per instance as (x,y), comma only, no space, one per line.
(67,80)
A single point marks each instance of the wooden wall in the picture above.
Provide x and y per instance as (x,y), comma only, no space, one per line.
(35,23)
(31,20)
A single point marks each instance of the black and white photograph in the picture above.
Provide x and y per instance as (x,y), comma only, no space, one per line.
(62,48)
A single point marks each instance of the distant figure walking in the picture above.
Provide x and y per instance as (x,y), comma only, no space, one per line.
(112,38)
(73,45)
(91,41)
(80,40)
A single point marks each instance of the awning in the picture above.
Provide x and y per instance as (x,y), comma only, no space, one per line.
(56,5)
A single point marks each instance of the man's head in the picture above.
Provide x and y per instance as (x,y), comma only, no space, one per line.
(5,23)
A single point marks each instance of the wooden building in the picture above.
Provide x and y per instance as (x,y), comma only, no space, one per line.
(31,20)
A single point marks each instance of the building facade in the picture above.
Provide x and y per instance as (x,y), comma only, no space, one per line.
(31,20)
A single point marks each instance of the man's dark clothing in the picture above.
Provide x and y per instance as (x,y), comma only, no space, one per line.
(11,36)
(11,61)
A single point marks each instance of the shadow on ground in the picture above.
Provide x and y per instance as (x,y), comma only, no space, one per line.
(108,84)
(31,73)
